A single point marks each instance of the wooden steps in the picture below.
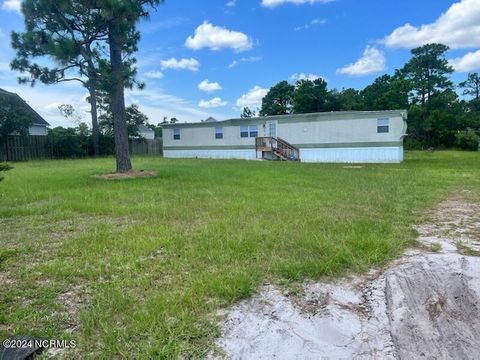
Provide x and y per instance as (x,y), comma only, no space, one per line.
(276,149)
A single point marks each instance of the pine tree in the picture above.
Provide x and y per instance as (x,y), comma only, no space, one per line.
(75,33)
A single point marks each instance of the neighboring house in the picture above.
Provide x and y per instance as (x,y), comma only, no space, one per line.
(145,132)
(38,124)
(346,137)
(210,119)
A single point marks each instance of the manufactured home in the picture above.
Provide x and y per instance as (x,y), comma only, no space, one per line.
(345,137)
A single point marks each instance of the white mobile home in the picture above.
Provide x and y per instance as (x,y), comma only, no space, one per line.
(349,137)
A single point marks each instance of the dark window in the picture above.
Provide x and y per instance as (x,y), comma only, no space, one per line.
(243,131)
(253,131)
(218,133)
(176,134)
(383,125)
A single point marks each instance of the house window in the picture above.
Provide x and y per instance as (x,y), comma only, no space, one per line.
(176,134)
(253,130)
(243,131)
(218,133)
(383,125)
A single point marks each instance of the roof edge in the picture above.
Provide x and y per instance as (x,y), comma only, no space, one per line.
(403,113)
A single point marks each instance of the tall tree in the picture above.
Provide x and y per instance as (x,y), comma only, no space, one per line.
(279,100)
(386,93)
(350,99)
(121,17)
(247,113)
(471,86)
(69,32)
(134,117)
(310,96)
(428,72)
(110,21)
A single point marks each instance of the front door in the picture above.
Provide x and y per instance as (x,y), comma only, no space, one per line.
(271,128)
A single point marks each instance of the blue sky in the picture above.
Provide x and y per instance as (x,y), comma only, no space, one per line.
(211,59)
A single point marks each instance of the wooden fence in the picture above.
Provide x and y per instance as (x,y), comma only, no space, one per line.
(146,146)
(33,147)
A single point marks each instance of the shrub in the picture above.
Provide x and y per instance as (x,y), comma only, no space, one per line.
(468,140)
(4,167)
(66,143)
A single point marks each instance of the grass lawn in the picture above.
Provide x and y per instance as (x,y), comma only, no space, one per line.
(138,268)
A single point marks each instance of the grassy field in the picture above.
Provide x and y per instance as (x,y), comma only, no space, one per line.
(139,268)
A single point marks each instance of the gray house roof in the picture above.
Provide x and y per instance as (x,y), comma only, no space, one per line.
(210,119)
(19,103)
(292,118)
(144,128)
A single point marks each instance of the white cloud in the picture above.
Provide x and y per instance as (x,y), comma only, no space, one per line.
(303,76)
(212,103)
(12,5)
(182,64)
(208,86)
(466,63)
(458,27)
(253,98)
(216,38)
(53,106)
(157,103)
(275,3)
(314,22)
(250,59)
(372,61)
(154,74)
(232,3)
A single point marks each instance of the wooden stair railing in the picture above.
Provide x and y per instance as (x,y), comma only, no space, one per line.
(281,148)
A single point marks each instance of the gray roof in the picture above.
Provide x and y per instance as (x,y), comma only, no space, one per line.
(22,105)
(290,118)
(144,128)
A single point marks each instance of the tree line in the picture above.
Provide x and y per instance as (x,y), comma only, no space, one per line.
(78,141)
(438,116)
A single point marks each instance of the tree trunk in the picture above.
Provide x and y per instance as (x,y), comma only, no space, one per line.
(95,131)
(118,99)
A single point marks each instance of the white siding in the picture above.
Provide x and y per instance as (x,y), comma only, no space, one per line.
(340,131)
(330,155)
(353,155)
(149,135)
(245,154)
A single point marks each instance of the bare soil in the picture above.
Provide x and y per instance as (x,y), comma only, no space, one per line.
(422,306)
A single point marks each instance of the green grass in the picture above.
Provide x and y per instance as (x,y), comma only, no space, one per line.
(138,268)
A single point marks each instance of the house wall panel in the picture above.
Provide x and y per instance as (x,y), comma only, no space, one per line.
(353,155)
(246,154)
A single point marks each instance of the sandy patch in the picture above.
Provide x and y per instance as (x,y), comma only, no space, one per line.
(423,306)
